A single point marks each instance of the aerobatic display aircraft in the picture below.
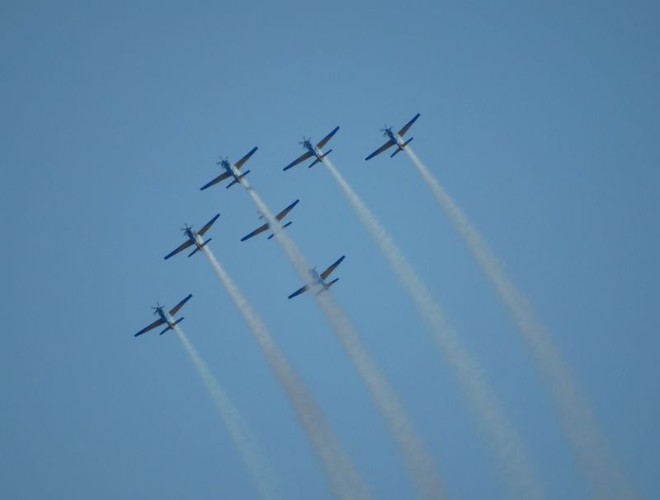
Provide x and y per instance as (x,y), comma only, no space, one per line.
(266,226)
(231,171)
(194,238)
(394,138)
(165,318)
(313,150)
(319,279)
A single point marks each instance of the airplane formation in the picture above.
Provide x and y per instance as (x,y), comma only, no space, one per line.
(318,282)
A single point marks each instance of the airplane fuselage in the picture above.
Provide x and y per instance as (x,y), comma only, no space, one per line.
(165,317)
(395,137)
(194,238)
(230,169)
(313,150)
(317,280)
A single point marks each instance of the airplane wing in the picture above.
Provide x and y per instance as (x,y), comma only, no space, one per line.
(325,140)
(408,125)
(332,267)
(298,160)
(208,225)
(257,231)
(153,325)
(298,292)
(219,178)
(385,146)
(176,308)
(178,249)
(242,161)
(284,212)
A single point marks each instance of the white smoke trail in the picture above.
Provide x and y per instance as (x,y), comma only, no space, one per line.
(520,476)
(342,477)
(418,462)
(604,474)
(243,439)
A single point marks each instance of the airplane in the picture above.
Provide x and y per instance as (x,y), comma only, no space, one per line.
(394,138)
(194,238)
(230,171)
(319,279)
(266,226)
(313,150)
(165,317)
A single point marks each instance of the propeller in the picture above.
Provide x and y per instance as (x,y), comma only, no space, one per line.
(305,141)
(186,228)
(386,130)
(223,160)
(157,308)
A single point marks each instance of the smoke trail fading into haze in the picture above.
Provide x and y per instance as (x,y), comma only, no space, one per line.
(593,451)
(418,462)
(511,453)
(339,471)
(261,474)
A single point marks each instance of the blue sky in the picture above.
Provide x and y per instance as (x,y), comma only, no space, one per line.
(540,120)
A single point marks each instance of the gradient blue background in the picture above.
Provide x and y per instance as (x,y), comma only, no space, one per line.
(542,121)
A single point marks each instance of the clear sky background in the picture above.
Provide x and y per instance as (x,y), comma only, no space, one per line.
(540,118)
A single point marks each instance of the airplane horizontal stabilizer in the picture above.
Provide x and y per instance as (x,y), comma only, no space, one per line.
(173,324)
(238,179)
(198,248)
(400,148)
(326,286)
(284,226)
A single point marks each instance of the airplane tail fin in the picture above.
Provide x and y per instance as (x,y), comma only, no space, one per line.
(198,248)
(171,327)
(314,163)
